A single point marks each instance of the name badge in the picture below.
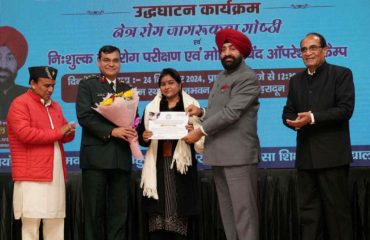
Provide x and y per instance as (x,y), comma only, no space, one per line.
(101,94)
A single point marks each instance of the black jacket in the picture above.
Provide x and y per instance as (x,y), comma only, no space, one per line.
(329,94)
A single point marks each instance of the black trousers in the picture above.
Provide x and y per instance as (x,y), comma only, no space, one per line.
(324,203)
(105,200)
(165,235)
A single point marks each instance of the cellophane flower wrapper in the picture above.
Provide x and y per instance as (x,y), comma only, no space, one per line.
(122,112)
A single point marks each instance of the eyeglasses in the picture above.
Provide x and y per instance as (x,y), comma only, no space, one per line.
(312,48)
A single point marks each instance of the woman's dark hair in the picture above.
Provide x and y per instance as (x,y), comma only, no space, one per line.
(175,75)
(108,49)
(172,72)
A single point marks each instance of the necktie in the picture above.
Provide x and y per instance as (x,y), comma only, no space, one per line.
(112,86)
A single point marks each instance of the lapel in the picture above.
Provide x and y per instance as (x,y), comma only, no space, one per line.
(120,87)
(106,87)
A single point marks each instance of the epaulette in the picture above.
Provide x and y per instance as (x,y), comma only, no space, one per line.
(91,76)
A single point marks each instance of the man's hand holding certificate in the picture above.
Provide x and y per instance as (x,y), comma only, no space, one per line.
(168,125)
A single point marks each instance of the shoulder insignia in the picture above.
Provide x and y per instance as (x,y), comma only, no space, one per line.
(90,76)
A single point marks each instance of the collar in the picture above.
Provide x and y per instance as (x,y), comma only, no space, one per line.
(317,70)
(46,104)
(310,73)
(37,98)
(103,79)
(111,81)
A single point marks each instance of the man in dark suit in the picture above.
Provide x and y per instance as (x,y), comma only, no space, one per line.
(105,156)
(231,143)
(320,103)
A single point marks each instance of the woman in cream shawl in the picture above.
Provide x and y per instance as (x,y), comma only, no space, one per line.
(169,176)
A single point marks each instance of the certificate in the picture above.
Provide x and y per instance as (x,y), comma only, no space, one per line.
(168,125)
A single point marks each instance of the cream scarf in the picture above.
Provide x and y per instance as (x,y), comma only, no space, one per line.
(181,156)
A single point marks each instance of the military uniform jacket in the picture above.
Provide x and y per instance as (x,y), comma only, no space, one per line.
(329,95)
(231,119)
(98,149)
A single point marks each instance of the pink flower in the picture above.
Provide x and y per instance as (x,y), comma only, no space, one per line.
(136,122)
(224,87)
(122,112)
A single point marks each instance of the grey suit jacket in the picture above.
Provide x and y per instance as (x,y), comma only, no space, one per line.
(231,119)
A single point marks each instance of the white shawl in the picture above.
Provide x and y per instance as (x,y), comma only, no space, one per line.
(181,156)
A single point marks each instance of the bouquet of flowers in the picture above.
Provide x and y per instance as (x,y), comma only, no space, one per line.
(120,109)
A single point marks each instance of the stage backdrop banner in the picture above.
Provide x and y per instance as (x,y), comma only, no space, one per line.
(156,35)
